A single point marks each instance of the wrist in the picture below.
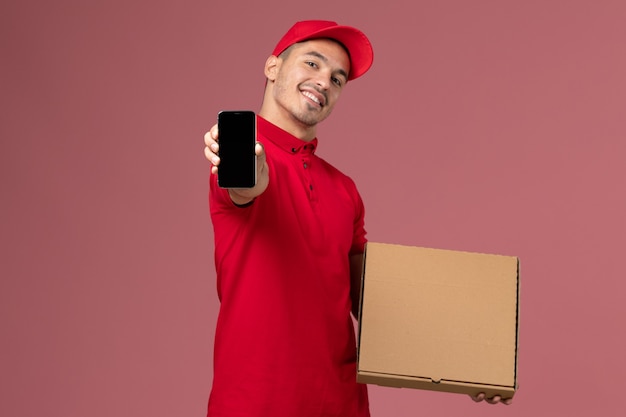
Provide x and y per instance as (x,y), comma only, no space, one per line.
(238,199)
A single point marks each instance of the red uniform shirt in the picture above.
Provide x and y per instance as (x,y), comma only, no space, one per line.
(284,342)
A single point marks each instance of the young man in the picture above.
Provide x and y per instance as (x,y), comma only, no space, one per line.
(288,251)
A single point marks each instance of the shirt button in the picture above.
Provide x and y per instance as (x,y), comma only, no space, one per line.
(305,165)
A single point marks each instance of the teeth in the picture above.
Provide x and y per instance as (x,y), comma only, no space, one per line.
(311,96)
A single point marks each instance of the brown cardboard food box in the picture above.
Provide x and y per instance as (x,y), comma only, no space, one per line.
(439,320)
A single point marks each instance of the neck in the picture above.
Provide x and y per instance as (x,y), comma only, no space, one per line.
(288,124)
(278,116)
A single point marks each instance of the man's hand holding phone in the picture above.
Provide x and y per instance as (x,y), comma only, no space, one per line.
(240,196)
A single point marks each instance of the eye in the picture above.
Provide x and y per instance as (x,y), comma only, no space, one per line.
(311,64)
(337,81)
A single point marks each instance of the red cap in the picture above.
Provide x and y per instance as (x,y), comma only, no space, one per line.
(358,46)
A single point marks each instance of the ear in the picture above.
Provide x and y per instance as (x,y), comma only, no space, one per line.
(272,65)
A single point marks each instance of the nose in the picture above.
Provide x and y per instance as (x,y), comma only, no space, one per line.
(323,80)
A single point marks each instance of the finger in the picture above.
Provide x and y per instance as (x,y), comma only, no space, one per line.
(493,400)
(211,136)
(478,398)
(210,143)
(259,149)
(208,138)
(507,401)
(211,157)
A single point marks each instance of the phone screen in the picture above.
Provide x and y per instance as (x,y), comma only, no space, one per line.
(237,139)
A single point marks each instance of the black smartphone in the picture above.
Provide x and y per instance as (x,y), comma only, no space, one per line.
(237,139)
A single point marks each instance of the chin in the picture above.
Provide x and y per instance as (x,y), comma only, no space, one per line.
(308,120)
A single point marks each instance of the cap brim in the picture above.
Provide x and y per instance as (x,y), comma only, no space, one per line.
(357,44)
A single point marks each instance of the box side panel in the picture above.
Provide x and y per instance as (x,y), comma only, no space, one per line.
(360,318)
(517,321)
(427,384)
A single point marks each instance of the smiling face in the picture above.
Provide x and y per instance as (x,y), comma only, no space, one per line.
(304,84)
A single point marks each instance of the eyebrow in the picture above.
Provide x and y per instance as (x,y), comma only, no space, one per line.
(323,58)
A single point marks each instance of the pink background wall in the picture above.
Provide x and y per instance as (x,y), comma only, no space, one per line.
(489,126)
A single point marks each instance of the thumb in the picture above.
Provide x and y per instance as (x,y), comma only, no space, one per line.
(259,151)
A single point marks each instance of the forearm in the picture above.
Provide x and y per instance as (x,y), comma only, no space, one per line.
(240,199)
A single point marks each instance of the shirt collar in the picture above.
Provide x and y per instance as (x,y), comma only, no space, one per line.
(283,139)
